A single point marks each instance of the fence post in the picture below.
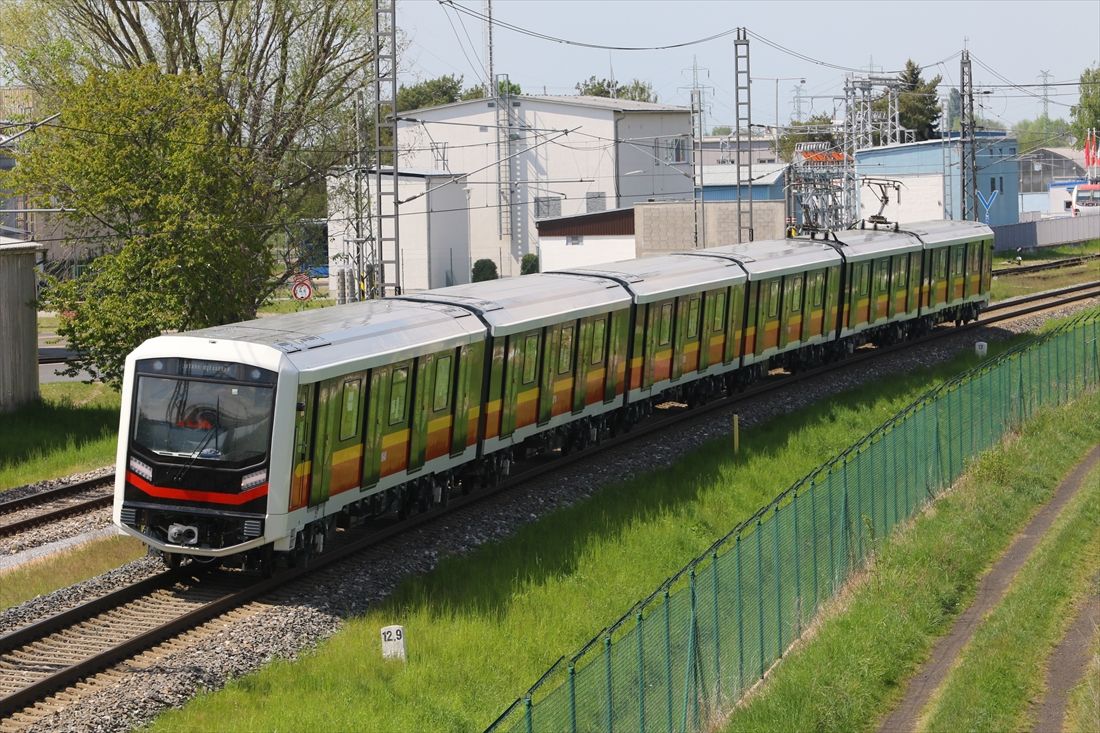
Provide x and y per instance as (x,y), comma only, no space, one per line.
(760,592)
(717,634)
(689,668)
(797,568)
(527,715)
(641,672)
(813,533)
(668,658)
(778,585)
(740,622)
(607,667)
(572,697)
(832,546)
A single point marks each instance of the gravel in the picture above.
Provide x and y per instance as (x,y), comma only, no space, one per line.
(304,615)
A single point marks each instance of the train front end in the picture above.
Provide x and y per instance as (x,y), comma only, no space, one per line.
(194,462)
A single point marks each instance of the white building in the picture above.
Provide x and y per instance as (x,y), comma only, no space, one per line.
(562,156)
(434,227)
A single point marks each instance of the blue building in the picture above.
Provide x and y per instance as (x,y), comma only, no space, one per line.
(930,174)
(720,182)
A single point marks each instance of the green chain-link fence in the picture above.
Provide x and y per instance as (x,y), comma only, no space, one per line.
(712,630)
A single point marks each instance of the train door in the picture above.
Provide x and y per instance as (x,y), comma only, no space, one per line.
(986,265)
(792,310)
(521,376)
(439,399)
(832,299)
(812,310)
(940,281)
(687,336)
(394,418)
(465,420)
(958,271)
(378,399)
(552,337)
(347,432)
(712,337)
(616,338)
(302,475)
(328,397)
(736,321)
(561,370)
(422,399)
(659,342)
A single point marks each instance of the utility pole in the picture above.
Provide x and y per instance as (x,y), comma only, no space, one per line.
(742,124)
(490,93)
(698,130)
(1046,76)
(384,273)
(968,142)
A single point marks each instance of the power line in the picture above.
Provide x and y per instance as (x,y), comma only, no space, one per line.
(582,44)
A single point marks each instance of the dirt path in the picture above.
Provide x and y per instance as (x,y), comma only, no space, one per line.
(1068,663)
(990,591)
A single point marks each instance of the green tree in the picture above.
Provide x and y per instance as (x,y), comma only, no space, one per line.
(918,105)
(529,265)
(429,93)
(484,270)
(636,90)
(1085,115)
(184,245)
(954,109)
(1042,132)
(721,130)
(818,128)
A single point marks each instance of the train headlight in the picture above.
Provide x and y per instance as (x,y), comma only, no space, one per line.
(141,469)
(253,479)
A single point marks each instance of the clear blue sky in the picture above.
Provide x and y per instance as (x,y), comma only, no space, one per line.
(1016,39)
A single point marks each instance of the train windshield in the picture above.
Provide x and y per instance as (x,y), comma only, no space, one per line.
(217,419)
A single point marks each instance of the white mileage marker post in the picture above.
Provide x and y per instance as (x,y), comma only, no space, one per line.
(393,642)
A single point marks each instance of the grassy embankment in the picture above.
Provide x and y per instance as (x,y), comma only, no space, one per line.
(850,672)
(73,428)
(484,626)
(1012,286)
(1083,710)
(65,568)
(1003,668)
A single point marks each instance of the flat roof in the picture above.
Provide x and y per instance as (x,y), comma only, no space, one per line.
(575,100)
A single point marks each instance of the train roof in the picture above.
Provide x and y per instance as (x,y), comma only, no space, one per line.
(946,232)
(667,276)
(353,336)
(513,304)
(865,244)
(775,257)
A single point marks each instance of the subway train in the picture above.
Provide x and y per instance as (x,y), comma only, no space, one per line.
(252,442)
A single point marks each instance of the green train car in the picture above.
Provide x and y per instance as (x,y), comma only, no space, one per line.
(254,440)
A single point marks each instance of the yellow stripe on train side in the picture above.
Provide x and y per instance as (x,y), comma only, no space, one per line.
(440,423)
(401,436)
(303,469)
(352,452)
(527,395)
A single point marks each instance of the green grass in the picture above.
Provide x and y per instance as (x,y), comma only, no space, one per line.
(73,428)
(1083,710)
(852,669)
(1011,286)
(65,568)
(1003,667)
(481,628)
(1046,254)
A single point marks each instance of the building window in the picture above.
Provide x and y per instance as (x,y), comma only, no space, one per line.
(439,155)
(992,184)
(547,207)
(595,201)
(574,240)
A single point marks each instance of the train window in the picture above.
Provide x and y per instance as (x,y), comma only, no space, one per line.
(863,277)
(530,357)
(693,318)
(959,259)
(349,413)
(882,274)
(664,329)
(900,271)
(719,311)
(941,264)
(818,289)
(399,386)
(598,330)
(442,398)
(565,351)
(773,299)
(795,296)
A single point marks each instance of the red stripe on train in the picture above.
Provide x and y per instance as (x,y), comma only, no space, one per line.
(212,497)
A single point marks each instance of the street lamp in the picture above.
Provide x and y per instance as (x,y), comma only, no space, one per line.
(776,79)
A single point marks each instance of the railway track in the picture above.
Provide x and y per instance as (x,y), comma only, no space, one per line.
(19,515)
(57,653)
(1025,269)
